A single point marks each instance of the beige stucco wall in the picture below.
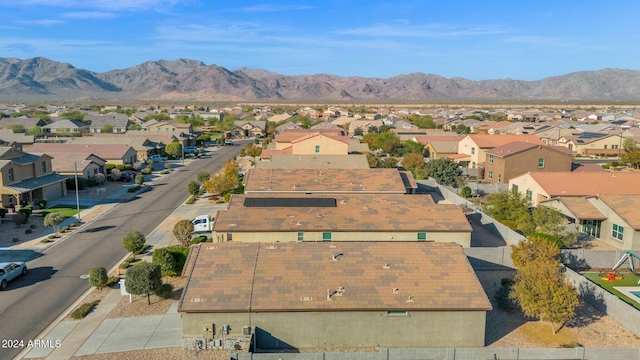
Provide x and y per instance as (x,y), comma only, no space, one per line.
(630,237)
(327,146)
(348,328)
(526,161)
(466,145)
(524,183)
(26,171)
(462,238)
(610,142)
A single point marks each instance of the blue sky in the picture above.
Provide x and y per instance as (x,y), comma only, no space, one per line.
(478,40)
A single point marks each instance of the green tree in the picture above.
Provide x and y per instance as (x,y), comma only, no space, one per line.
(387,141)
(143,279)
(183,231)
(53,219)
(389,162)
(547,220)
(193,187)
(17,128)
(423,122)
(174,150)
(540,288)
(465,192)
(98,277)
(35,131)
(203,175)
(134,126)
(139,179)
(411,146)
(629,144)
(133,242)
(445,171)
(106,128)
(73,115)
(358,132)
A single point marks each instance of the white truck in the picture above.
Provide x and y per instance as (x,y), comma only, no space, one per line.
(202,223)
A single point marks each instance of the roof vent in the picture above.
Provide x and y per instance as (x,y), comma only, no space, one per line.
(343,202)
(395,290)
(334,256)
(332,246)
(306,298)
(197,299)
(386,266)
(329,294)
(233,225)
(410,299)
(340,291)
(272,247)
(211,247)
(298,223)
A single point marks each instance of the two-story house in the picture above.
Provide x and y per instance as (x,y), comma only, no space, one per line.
(26,178)
(476,145)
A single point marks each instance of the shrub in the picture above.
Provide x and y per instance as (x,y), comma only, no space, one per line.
(190,200)
(98,277)
(168,165)
(165,291)
(164,172)
(51,237)
(27,210)
(165,260)
(465,192)
(203,176)
(3,212)
(134,242)
(140,179)
(91,182)
(109,167)
(45,240)
(28,231)
(84,310)
(42,204)
(201,239)
(120,167)
(180,254)
(65,228)
(227,196)
(20,218)
(146,171)
(128,166)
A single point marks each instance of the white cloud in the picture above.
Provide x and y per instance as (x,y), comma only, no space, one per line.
(274,8)
(424,31)
(113,5)
(89,15)
(42,22)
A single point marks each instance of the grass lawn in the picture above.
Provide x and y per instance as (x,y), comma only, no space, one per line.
(628,280)
(65,210)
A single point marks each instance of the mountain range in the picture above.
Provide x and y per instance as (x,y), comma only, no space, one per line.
(183,79)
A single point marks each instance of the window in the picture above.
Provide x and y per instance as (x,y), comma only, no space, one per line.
(617,232)
(490,159)
(422,236)
(605,147)
(43,166)
(514,187)
(229,236)
(300,236)
(499,177)
(490,174)
(10,175)
(317,149)
(613,146)
(326,236)
(541,162)
(473,150)
(398,312)
(529,195)
(473,165)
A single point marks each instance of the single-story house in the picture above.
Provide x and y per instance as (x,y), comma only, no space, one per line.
(285,161)
(112,153)
(331,295)
(340,217)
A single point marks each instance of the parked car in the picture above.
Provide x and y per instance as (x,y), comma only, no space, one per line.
(10,271)
(191,150)
(228,142)
(158,158)
(128,175)
(202,223)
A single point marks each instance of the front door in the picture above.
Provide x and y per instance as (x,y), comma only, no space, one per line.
(592,227)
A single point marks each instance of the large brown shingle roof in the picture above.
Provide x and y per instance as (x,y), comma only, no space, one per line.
(352,213)
(105,151)
(626,206)
(491,141)
(365,181)
(582,208)
(241,277)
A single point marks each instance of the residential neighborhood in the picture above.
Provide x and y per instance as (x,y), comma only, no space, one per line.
(324,225)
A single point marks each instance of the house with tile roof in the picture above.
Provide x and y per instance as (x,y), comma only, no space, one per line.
(538,186)
(27,178)
(82,164)
(333,295)
(314,142)
(9,137)
(289,125)
(592,143)
(65,126)
(614,219)
(329,181)
(118,122)
(340,217)
(112,153)
(167,126)
(436,148)
(250,128)
(25,122)
(476,145)
(288,161)
(144,147)
(516,158)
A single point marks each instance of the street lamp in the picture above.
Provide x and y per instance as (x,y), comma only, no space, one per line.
(75,172)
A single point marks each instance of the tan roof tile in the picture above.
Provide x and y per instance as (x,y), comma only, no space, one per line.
(588,183)
(238,277)
(351,213)
(626,206)
(490,141)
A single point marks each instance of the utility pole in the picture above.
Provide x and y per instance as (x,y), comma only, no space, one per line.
(75,172)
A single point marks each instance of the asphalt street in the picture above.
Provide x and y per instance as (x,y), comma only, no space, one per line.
(53,283)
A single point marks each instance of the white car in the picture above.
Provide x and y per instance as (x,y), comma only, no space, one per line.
(10,271)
